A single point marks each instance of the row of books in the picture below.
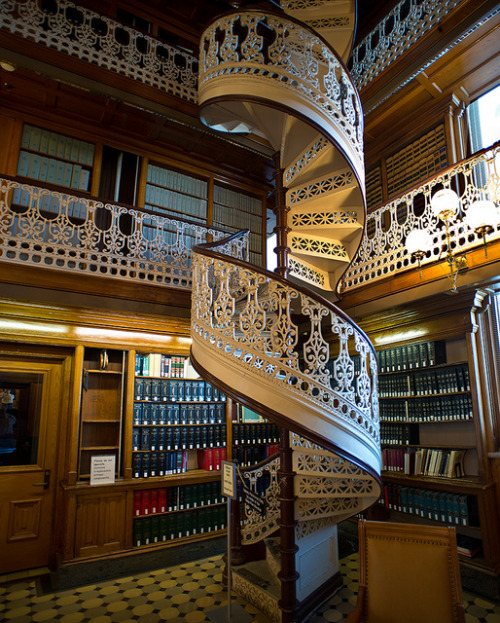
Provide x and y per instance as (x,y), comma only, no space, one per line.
(245,457)
(53,171)
(176,390)
(437,381)
(53,144)
(178,437)
(411,356)
(424,461)
(177,181)
(428,409)
(156,364)
(398,434)
(264,432)
(178,498)
(173,414)
(160,528)
(447,507)
(185,205)
(50,202)
(159,464)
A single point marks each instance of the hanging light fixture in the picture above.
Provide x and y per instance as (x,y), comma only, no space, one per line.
(481,217)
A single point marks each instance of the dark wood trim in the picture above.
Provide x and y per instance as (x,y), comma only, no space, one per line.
(318,597)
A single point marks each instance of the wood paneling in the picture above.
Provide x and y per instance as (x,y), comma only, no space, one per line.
(100,524)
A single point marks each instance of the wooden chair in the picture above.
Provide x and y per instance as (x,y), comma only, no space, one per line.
(407,574)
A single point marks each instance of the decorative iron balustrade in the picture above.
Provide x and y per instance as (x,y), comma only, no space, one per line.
(289,341)
(40,227)
(400,29)
(280,53)
(383,252)
(263,482)
(102,41)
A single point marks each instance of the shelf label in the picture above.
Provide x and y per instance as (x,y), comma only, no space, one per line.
(102,470)
(228,475)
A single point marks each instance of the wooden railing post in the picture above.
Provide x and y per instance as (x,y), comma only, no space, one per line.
(288,574)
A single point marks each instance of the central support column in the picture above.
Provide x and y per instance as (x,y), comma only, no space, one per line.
(288,549)
(281,211)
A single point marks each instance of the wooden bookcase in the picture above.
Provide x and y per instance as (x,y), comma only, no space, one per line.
(130,406)
(55,158)
(101,408)
(435,404)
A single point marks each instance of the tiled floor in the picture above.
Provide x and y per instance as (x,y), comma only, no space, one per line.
(185,594)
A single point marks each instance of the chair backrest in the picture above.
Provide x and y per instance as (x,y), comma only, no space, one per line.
(409,573)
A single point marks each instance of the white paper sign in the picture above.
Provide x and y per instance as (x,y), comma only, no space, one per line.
(228,473)
(102,470)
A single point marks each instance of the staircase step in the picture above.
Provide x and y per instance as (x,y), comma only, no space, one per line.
(256,583)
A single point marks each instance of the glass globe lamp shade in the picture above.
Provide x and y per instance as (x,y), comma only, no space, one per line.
(418,241)
(444,204)
(482,214)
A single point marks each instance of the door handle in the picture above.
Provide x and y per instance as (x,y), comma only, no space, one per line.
(45,484)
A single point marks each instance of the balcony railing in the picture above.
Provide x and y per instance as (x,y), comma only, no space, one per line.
(395,34)
(102,41)
(383,252)
(55,230)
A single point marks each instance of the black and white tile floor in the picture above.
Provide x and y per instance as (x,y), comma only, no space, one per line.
(181,594)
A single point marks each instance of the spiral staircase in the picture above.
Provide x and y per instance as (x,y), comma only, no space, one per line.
(277,344)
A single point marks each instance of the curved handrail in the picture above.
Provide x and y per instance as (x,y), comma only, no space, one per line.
(281,53)
(269,344)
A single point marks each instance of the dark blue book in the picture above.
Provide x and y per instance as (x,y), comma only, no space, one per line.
(139,389)
(155,409)
(153,464)
(136,438)
(137,413)
(147,389)
(162,413)
(145,438)
(156,389)
(137,465)
(153,438)
(145,465)
(162,436)
(165,390)
(146,413)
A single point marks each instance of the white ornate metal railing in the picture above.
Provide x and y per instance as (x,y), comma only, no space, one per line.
(401,28)
(281,53)
(102,41)
(383,252)
(41,227)
(261,520)
(289,340)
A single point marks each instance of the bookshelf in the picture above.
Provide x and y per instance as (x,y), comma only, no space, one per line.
(101,408)
(254,438)
(54,158)
(177,512)
(179,421)
(430,463)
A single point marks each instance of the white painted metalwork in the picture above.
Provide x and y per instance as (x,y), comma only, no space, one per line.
(401,28)
(102,41)
(289,58)
(383,252)
(40,227)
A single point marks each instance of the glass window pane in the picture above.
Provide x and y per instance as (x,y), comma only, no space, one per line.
(20,405)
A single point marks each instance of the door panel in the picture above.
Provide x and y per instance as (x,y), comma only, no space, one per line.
(30,404)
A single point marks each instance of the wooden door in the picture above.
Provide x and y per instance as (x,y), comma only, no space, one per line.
(30,404)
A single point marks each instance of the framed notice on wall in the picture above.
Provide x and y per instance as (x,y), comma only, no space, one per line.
(102,470)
